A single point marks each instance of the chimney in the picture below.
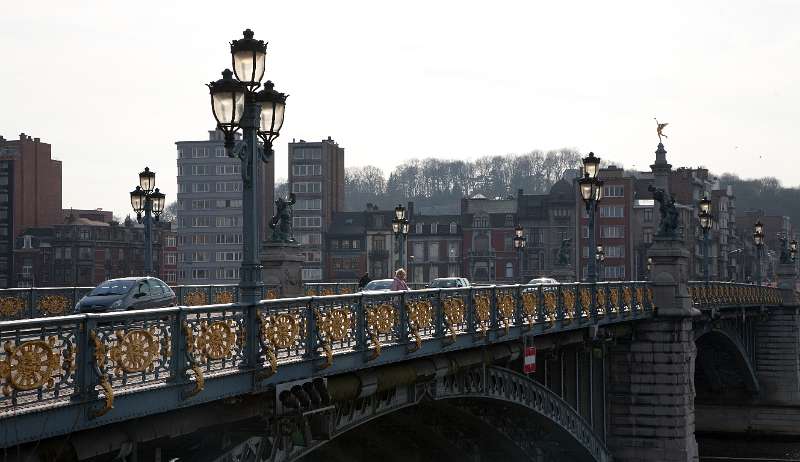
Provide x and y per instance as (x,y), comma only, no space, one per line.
(410,210)
(36,140)
(1,138)
(22,136)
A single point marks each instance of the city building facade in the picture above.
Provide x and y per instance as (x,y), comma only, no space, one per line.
(83,252)
(209,212)
(488,233)
(434,247)
(30,195)
(316,178)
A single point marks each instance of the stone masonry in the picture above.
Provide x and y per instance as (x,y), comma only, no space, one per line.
(651,394)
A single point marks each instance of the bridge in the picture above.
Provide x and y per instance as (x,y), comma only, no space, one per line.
(619,364)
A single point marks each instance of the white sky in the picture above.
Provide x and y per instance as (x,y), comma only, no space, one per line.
(112,84)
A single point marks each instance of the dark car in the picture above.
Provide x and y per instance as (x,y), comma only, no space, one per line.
(135,293)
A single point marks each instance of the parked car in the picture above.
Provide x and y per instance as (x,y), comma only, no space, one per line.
(133,293)
(378,285)
(542,281)
(448,283)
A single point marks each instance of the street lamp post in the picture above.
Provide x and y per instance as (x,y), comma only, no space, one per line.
(758,238)
(147,199)
(649,266)
(591,192)
(599,257)
(236,105)
(400,229)
(519,243)
(793,250)
(706,222)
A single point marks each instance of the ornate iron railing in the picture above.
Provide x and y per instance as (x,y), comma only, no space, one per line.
(722,294)
(190,354)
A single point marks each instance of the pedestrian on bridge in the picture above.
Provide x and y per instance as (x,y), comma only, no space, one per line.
(364,280)
(399,282)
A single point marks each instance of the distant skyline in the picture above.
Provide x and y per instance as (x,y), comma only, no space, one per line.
(112,86)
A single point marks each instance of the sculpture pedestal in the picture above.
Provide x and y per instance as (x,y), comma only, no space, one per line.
(670,277)
(283,264)
(563,274)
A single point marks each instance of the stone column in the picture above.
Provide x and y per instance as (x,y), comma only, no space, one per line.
(651,374)
(283,264)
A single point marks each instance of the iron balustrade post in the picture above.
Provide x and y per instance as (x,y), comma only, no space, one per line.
(84,361)
(439,314)
(706,256)
(402,315)
(493,310)
(311,333)
(148,236)
(758,265)
(31,307)
(519,265)
(178,362)
(361,325)
(591,275)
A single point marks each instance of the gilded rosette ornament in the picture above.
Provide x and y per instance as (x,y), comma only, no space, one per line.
(333,326)
(217,339)
(550,305)
(272,294)
(569,304)
(310,292)
(278,331)
(191,347)
(223,297)
(380,321)
(326,291)
(11,306)
(600,299)
(506,307)
(650,297)
(345,290)
(30,365)
(529,307)
(195,298)
(53,305)
(420,317)
(483,312)
(135,351)
(453,314)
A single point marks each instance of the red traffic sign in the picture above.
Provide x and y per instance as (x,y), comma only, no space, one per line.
(529,362)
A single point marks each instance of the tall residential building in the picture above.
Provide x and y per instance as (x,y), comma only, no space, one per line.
(488,233)
(210,211)
(30,195)
(316,177)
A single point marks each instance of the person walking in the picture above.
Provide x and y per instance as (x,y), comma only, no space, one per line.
(365,279)
(399,282)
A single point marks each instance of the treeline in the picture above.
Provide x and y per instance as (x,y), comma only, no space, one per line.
(439,184)
(765,194)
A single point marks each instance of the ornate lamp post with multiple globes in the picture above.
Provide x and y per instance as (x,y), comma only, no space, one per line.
(591,192)
(237,105)
(758,238)
(519,243)
(147,199)
(400,230)
(706,222)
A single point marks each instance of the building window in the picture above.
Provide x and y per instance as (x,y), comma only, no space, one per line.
(585,231)
(613,191)
(480,221)
(509,270)
(169,241)
(419,228)
(227,273)
(647,236)
(229,256)
(434,228)
(229,203)
(308,204)
(85,235)
(204,204)
(200,239)
(307,170)
(356,244)
(378,243)
(229,169)
(199,153)
(229,238)
(614,232)
(509,220)
(219,152)
(199,170)
(170,258)
(647,216)
(180,153)
(452,249)
(453,227)
(613,272)
(312,274)
(560,213)
(615,251)
(433,251)
(229,222)
(201,257)
(307,222)
(612,211)
(200,187)
(229,186)
(201,222)
(199,274)
(307,187)
(308,238)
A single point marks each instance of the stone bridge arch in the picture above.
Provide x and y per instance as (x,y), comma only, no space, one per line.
(723,366)
(473,387)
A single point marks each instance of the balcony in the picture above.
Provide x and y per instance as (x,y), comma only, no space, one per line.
(379,254)
(481,254)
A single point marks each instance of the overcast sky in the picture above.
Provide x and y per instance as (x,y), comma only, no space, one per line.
(112,85)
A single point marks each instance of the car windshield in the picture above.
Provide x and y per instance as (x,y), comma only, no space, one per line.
(444,283)
(112,288)
(379,285)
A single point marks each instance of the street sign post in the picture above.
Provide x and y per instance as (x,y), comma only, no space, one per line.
(529,364)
